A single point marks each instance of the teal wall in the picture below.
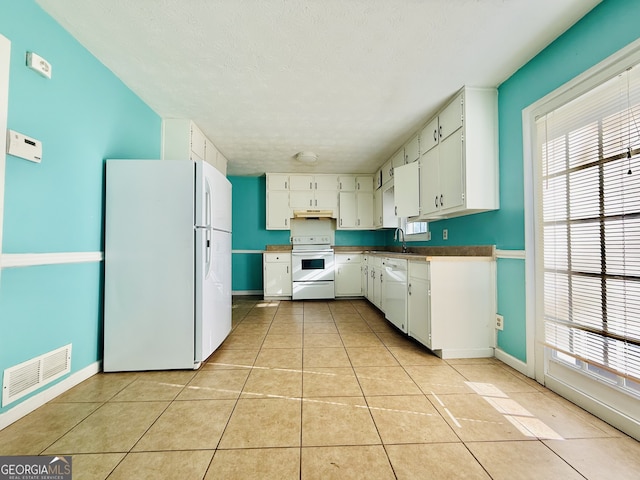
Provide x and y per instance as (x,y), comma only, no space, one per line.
(83,115)
(606,29)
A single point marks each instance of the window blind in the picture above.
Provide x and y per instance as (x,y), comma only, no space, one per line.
(589,150)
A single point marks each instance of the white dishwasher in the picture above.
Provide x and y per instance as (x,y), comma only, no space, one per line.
(395,292)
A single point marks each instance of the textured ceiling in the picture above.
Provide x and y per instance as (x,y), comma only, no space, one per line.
(350,80)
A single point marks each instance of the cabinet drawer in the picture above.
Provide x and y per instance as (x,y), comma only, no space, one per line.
(343,258)
(419,270)
(277,257)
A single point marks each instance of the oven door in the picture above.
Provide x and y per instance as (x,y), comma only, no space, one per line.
(312,266)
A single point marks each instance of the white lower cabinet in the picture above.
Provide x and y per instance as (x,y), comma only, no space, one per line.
(277,274)
(394,293)
(364,276)
(348,274)
(451,306)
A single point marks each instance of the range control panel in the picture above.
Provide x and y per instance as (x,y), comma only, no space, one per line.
(311,240)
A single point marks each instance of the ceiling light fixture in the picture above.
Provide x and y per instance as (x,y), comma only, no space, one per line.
(306,157)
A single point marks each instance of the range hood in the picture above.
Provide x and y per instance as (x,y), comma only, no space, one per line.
(313,214)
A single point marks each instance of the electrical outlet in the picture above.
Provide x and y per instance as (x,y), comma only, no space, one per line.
(445,234)
(499,322)
(428,236)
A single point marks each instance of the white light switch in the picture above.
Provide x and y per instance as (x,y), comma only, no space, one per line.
(20,145)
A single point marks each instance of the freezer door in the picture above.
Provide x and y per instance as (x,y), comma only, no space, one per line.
(213,290)
(213,198)
(149,269)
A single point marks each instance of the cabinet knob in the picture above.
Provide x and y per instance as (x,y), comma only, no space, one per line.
(286,222)
(440,130)
(436,202)
(441,202)
(435,135)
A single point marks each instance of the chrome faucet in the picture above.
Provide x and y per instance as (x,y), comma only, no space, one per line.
(396,236)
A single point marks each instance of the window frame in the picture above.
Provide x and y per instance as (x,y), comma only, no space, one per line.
(592,395)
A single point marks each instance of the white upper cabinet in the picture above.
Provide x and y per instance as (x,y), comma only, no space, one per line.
(451,118)
(278,214)
(387,171)
(459,157)
(364,184)
(183,140)
(313,192)
(412,150)
(347,183)
(301,182)
(277,181)
(429,136)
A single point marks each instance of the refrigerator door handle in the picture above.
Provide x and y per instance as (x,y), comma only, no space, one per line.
(207,207)
(208,254)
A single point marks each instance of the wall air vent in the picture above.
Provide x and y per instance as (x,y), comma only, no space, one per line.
(22,379)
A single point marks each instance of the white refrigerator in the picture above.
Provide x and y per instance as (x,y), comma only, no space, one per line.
(167,295)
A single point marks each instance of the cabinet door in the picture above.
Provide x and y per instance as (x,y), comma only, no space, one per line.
(451,117)
(348,210)
(387,171)
(302,199)
(277,279)
(430,182)
(429,136)
(411,150)
(378,178)
(326,183)
(397,160)
(346,183)
(364,184)
(275,181)
(301,182)
(364,201)
(325,199)
(348,272)
(419,305)
(278,211)
(406,185)
(377,208)
(451,172)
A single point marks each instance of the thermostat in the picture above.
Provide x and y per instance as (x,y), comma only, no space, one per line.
(20,145)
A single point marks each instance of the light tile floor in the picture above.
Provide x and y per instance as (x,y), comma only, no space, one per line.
(322,390)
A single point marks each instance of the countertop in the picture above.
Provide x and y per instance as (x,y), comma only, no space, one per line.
(413,253)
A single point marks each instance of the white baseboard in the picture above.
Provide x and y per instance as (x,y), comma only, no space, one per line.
(32,403)
(513,362)
(465,353)
(246,292)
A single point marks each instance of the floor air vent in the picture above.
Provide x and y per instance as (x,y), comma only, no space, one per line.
(21,380)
